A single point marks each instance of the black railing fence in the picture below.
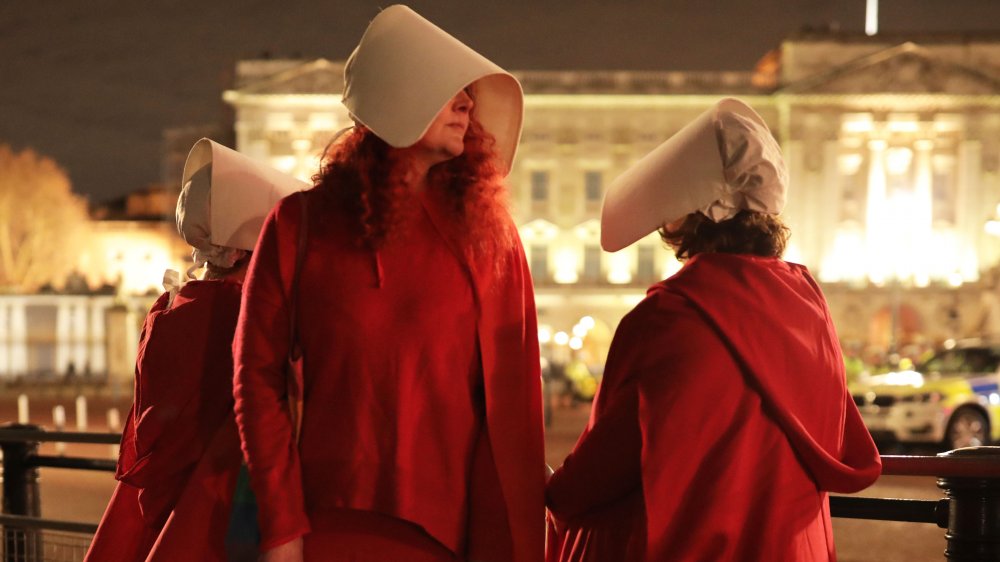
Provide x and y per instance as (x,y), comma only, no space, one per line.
(969,511)
(26,536)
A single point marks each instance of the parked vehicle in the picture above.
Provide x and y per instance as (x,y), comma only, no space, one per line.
(953,399)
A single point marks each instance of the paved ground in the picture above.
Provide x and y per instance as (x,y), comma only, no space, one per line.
(81,496)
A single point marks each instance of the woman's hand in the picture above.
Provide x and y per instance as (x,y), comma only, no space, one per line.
(289,552)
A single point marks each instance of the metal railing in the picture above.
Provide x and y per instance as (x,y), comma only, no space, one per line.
(969,479)
(970,510)
(26,536)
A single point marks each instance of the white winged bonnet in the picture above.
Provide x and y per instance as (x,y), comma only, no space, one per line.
(722,162)
(225,197)
(404,71)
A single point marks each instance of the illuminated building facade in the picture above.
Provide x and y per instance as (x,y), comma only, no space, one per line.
(88,324)
(893,147)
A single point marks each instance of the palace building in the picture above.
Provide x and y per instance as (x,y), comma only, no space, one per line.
(893,146)
(892,143)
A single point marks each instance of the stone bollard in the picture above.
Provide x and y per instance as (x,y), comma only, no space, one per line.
(23,413)
(59,421)
(973,510)
(81,413)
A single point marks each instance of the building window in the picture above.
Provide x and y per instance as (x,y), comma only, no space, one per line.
(539,186)
(593,184)
(591,263)
(539,261)
(646,269)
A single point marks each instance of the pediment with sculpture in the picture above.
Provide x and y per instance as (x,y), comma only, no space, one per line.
(316,77)
(904,69)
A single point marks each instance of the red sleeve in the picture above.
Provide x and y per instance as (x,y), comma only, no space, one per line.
(604,467)
(260,386)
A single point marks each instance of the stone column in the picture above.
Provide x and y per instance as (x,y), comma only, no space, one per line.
(18,337)
(5,343)
(63,331)
(923,219)
(969,206)
(875,212)
(96,336)
(79,336)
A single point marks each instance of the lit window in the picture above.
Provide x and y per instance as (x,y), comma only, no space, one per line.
(592,181)
(591,262)
(539,261)
(646,270)
(540,186)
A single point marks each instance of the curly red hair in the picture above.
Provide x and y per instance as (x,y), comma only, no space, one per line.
(366,175)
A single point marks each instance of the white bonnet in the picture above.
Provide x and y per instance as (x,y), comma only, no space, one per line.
(405,69)
(225,197)
(724,161)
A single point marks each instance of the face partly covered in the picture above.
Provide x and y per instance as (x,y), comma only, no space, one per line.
(445,138)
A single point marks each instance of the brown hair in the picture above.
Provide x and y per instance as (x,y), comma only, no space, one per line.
(749,232)
(366,176)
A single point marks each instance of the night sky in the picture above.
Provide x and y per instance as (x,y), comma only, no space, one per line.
(94,83)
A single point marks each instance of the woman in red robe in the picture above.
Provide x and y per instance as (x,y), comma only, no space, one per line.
(421,431)
(723,419)
(180,451)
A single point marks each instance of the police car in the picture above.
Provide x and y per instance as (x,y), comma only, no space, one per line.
(953,399)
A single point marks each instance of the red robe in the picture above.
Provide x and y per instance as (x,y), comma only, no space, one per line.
(180,451)
(421,377)
(723,418)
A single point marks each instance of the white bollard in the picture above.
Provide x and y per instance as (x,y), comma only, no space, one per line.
(114,420)
(114,425)
(81,413)
(22,409)
(59,420)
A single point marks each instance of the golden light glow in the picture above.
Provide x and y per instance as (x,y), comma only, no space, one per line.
(285,164)
(544,333)
(842,262)
(858,123)
(561,338)
(903,124)
(620,267)
(566,261)
(897,160)
(279,121)
(671,266)
(849,164)
(793,253)
(539,231)
(322,122)
(140,266)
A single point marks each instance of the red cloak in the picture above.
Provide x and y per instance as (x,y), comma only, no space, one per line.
(179,452)
(724,405)
(422,385)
